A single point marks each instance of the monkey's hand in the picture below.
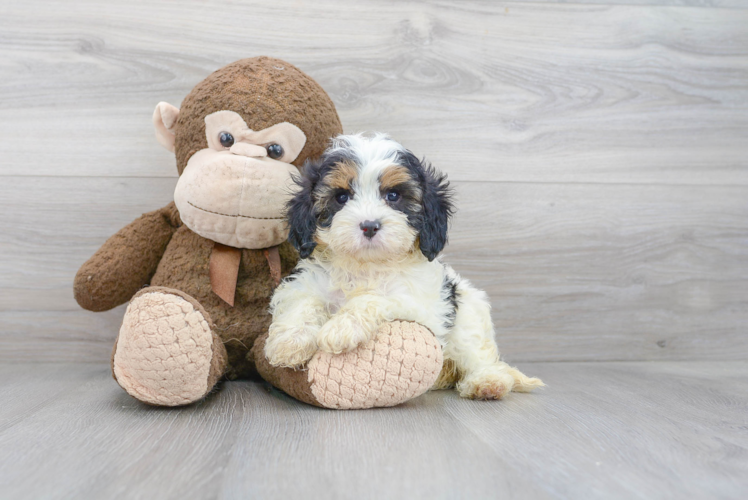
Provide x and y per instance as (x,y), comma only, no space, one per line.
(126,261)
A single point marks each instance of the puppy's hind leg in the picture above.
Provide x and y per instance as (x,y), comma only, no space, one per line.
(471,347)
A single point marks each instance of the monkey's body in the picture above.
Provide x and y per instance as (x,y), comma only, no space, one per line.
(184,266)
(239,326)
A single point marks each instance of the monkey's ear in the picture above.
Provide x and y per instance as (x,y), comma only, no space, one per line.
(164,120)
(437,210)
(302,221)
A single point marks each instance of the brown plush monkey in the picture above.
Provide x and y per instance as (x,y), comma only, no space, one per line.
(199,273)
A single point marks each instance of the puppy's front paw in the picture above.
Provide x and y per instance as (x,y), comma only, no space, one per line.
(342,333)
(290,348)
(491,385)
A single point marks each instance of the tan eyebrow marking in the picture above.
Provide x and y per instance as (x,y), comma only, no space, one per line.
(342,176)
(394,175)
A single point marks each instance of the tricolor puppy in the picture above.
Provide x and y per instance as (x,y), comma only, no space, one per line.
(369,221)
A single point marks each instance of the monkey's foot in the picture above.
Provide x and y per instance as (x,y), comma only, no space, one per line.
(401,363)
(166,353)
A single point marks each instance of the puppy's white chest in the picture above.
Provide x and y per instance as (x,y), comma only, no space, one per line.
(381,284)
(409,296)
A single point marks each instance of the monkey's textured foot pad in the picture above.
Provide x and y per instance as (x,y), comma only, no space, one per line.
(401,363)
(166,353)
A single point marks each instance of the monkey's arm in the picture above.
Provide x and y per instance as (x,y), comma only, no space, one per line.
(126,261)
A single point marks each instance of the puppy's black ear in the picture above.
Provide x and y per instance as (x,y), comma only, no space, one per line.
(437,211)
(437,206)
(302,222)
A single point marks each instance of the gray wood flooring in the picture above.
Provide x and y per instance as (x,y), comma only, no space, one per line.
(600,430)
(598,149)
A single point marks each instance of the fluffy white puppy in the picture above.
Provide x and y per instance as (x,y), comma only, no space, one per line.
(369,221)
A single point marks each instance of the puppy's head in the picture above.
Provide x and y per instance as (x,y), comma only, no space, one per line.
(370,199)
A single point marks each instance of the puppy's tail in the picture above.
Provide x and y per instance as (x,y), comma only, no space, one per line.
(523,383)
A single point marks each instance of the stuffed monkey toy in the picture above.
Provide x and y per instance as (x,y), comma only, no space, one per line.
(199,273)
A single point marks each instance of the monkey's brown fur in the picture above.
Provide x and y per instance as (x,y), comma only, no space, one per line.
(264,91)
(158,250)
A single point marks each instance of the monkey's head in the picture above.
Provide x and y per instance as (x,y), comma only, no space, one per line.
(239,138)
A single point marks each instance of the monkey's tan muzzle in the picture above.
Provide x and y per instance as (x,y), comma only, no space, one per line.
(235,199)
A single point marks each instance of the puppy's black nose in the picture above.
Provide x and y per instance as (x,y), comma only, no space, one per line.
(370,227)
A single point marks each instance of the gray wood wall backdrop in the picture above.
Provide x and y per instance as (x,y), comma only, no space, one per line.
(599,151)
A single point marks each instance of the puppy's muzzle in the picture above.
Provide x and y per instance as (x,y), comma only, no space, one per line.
(370,227)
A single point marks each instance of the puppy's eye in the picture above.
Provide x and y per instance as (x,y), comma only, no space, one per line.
(342,198)
(275,151)
(392,196)
(227,140)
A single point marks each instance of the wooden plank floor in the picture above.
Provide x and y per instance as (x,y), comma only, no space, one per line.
(599,156)
(600,430)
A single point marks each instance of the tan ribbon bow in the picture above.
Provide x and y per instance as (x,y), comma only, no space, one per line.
(224,269)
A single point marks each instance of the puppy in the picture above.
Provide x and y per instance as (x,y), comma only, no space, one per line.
(369,221)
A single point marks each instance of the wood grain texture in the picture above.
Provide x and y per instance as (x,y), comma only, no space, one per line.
(487,90)
(724,4)
(608,272)
(575,271)
(598,150)
(600,430)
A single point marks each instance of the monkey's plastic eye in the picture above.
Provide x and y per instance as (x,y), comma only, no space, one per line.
(392,196)
(341,198)
(275,151)
(227,140)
